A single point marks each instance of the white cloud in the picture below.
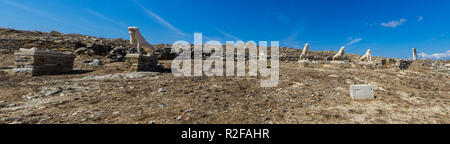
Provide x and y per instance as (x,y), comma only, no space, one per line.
(43,14)
(283,18)
(99,15)
(228,35)
(160,19)
(280,16)
(393,24)
(291,41)
(32,10)
(353,41)
(444,55)
(420,18)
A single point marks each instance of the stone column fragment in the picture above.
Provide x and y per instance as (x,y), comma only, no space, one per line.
(139,62)
(414,54)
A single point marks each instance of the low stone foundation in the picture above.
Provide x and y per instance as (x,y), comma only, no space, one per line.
(42,62)
(370,65)
(311,64)
(340,64)
(139,62)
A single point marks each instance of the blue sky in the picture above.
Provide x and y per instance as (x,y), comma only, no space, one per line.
(389,27)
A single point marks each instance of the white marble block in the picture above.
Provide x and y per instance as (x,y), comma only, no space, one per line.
(361,92)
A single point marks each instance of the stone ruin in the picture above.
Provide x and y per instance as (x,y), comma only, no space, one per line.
(366,60)
(139,62)
(139,41)
(304,52)
(367,56)
(361,92)
(304,62)
(414,54)
(388,63)
(403,64)
(338,59)
(341,64)
(36,62)
(339,55)
(369,65)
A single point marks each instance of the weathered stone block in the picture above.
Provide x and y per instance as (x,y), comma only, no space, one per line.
(369,65)
(42,62)
(361,92)
(4,51)
(340,64)
(139,62)
(310,64)
(320,62)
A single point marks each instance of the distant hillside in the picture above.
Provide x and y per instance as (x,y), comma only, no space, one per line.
(11,40)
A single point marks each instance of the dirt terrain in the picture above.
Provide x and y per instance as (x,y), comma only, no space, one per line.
(107,94)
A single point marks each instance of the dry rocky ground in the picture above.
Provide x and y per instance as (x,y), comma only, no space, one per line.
(106,94)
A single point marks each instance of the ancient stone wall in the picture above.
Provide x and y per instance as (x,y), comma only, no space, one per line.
(42,62)
(139,62)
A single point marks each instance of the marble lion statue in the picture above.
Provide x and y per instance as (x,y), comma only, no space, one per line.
(367,56)
(340,54)
(304,52)
(137,39)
